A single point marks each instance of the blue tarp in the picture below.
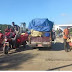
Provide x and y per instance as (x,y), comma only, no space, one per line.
(41,24)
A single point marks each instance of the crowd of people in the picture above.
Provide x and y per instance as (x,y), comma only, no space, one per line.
(14,28)
(66,35)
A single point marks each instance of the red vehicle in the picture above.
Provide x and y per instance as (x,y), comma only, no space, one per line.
(40,42)
(69,41)
(1,40)
(10,43)
(43,39)
(69,44)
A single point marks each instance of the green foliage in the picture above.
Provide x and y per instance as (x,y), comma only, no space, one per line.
(3,27)
(70,29)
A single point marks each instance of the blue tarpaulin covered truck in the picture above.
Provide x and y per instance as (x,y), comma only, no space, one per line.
(42,25)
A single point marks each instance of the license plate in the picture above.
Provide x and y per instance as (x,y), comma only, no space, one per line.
(39,45)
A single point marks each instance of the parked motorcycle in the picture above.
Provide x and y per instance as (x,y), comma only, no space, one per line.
(12,41)
(1,40)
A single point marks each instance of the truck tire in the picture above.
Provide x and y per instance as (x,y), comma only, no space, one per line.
(40,48)
(46,48)
(5,49)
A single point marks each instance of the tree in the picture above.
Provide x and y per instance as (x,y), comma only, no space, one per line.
(3,27)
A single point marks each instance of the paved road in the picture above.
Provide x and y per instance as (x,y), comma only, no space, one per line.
(34,59)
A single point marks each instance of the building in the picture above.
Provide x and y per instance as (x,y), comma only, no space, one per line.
(62,26)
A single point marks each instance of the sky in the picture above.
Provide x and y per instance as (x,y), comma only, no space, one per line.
(58,11)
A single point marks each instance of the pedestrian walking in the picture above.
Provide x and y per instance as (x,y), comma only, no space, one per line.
(65,37)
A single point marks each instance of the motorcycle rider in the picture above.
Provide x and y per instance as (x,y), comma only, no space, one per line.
(16,30)
(15,27)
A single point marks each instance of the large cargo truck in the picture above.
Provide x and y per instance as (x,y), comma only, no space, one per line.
(44,26)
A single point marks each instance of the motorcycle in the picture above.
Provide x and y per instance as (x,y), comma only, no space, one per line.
(8,41)
(1,41)
(12,41)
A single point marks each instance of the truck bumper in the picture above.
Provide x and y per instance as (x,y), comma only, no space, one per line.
(40,45)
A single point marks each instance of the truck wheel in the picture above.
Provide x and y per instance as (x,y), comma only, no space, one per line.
(45,48)
(5,49)
(40,48)
(48,48)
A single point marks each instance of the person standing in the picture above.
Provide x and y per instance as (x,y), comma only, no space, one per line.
(60,32)
(65,37)
(15,27)
(57,32)
(16,30)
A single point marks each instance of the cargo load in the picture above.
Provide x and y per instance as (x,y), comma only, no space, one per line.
(36,33)
(42,25)
(40,33)
(46,34)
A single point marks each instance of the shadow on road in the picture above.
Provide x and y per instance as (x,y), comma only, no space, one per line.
(60,67)
(20,49)
(57,46)
(13,61)
(24,49)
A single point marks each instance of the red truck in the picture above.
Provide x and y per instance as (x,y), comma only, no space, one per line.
(44,26)
(40,42)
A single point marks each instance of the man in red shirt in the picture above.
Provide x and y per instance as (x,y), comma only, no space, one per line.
(65,37)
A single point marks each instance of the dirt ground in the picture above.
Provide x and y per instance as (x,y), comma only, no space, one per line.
(28,59)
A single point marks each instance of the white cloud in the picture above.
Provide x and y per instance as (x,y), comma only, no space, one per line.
(63,14)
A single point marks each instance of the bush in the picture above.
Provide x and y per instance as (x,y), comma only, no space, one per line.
(3,27)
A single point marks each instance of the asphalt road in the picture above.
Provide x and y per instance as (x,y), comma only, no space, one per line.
(38,60)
